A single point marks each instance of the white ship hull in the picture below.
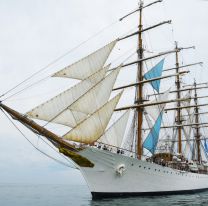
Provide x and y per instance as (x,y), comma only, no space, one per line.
(138,178)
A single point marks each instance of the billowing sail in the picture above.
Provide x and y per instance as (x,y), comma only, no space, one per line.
(97,96)
(92,128)
(55,106)
(114,135)
(88,65)
(88,103)
(151,141)
(155,72)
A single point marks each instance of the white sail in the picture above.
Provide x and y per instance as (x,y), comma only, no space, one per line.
(94,126)
(130,139)
(69,118)
(155,110)
(97,96)
(188,119)
(88,65)
(187,102)
(187,131)
(87,104)
(53,107)
(114,135)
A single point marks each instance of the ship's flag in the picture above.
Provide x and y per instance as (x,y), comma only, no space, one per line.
(155,72)
(151,141)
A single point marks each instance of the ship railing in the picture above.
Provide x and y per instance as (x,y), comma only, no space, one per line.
(125,152)
(118,150)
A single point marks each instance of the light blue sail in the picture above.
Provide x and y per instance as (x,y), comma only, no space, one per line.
(151,141)
(155,72)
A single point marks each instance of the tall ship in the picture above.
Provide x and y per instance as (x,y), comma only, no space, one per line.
(137,138)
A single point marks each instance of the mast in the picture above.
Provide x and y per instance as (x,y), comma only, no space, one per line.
(140,87)
(197,128)
(178,87)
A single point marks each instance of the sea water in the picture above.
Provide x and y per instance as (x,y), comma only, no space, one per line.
(79,195)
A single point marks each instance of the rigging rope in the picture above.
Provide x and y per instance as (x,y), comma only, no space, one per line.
(53,62)
(27,87)
(206,154)
(166,131)
(50,64)
(42,152)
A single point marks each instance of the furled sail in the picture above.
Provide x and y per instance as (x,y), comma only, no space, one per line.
(88,65)
(93,127)
(114,135)
(88,103)
(151,141)
(53,107)
(155,72)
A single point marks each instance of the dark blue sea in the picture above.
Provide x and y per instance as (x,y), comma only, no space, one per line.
(69,195)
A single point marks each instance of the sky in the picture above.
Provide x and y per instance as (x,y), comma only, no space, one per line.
(35,33)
